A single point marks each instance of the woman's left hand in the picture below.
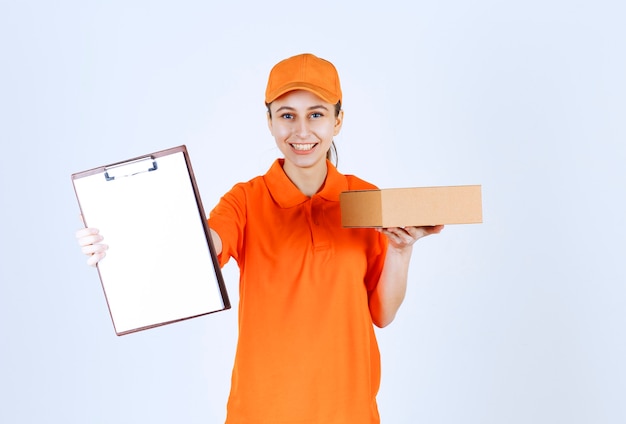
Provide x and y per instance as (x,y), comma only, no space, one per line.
(403,237)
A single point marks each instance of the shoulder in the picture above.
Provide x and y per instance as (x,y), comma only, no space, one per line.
(242,192)
(259,181)
(346,181)
(356,183)
(250,185)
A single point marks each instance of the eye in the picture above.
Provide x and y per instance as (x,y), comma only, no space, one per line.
(286,116)
(316,115)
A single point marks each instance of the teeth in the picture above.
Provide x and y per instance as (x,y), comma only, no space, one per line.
(303,147)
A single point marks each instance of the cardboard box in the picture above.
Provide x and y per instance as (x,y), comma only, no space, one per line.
(417,206)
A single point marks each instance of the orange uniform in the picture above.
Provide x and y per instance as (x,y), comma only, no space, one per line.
(307,352)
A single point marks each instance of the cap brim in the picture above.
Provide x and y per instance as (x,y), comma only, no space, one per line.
(318,91)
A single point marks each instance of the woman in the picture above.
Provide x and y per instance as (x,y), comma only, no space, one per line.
(310,290)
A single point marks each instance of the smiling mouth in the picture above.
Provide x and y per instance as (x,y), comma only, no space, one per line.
(303,147)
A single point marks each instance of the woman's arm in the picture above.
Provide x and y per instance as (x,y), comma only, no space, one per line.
(389,293)
(217,241)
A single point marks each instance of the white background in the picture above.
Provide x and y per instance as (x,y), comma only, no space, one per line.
(520,319)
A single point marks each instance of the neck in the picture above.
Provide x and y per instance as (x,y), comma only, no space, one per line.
(308,180)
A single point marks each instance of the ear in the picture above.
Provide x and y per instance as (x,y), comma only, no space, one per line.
(338,122)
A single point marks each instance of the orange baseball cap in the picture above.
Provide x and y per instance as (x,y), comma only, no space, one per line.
(304,72)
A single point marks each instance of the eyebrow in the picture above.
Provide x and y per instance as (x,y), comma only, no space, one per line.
(309,108)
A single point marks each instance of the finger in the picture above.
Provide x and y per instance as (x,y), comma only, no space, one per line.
(94,249)
(402,232)
(94,259)
(399,236)
(88,240)
(433,229)
(423,231)
(417,232)
(86,232)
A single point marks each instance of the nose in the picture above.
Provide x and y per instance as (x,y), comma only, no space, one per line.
(302,128)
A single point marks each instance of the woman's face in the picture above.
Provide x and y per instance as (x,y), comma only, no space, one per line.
(303,126)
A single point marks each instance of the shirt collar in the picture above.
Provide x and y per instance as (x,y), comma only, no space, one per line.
(287,195)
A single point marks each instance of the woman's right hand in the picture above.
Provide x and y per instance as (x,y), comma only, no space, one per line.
(90,242)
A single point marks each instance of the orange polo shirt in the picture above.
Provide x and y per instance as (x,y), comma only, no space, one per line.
(307,352)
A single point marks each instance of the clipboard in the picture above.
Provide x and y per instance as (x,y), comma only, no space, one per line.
(161,266)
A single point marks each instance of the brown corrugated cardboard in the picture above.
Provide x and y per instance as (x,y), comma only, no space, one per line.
(416,206)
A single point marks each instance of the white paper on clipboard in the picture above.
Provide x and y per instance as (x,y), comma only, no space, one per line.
(161,266)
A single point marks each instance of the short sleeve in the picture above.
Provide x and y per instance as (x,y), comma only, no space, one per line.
(228,219)
(375,259)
